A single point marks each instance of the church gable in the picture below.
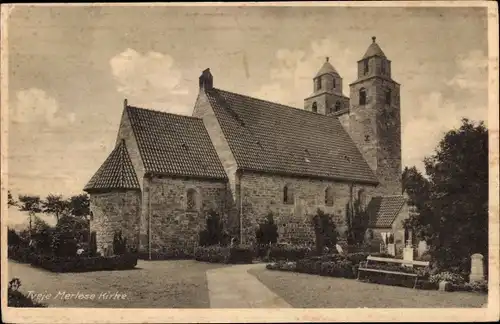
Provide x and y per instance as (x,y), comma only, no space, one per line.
(269,137)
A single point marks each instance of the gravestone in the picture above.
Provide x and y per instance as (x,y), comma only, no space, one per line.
(444,286)
(476,268)
(391,249)
(339,249)
(422,248)
(408,255)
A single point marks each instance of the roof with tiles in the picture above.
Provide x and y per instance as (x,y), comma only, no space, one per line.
(270,137)
(174,145)
(373,50)
(382,211)
(326,69)
(117,172)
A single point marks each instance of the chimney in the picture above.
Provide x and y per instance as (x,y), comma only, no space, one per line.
(206,80)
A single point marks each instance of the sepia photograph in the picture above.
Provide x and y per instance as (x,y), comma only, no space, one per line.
(277,162)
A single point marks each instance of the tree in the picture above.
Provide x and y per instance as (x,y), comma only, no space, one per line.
(69,232)
(79,205)
(56,205)
(455,216)
(30,204)
(11,202)
(418,189)
(214,232)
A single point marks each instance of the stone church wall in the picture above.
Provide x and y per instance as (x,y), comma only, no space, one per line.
(262,193)
(172,224)
(112,212)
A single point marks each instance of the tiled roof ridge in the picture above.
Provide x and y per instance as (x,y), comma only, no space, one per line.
(281,106)
(162,112)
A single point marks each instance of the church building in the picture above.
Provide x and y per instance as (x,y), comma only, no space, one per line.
(245,157)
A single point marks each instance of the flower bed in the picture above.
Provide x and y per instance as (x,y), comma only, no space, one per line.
(84,264)
(221,254)
(175,254)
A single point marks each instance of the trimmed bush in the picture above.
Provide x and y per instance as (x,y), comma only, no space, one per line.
(267,233)
(220,254)
(289,252)
(15,298)
(84,264)
(169,254)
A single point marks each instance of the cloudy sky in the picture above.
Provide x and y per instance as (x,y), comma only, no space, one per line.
(71,67)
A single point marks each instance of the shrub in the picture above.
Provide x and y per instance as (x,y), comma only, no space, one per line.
(15,298)
(324,230)
(220,254)
(19,253)
(119,243)
(289,252)
(213,233)
(267,231)
(282,265)
(478,286)
(84,264)
(68,233)
(13,239)
(450,277)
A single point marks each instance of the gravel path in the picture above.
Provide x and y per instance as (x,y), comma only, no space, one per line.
(153,284)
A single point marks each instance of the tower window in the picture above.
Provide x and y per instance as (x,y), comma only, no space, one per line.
(288,195)
(337,106)
(330,110)
(314,107)
(362,96)
(388,96)
(382,68)
(318,83)
(329,196)
(334,83)
(365,67)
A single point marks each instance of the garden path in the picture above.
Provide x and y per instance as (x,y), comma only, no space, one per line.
(234,287)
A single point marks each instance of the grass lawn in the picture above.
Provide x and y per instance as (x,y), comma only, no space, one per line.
(312,291)
(153,284)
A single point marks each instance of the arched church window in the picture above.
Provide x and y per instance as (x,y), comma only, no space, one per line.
(288,195)
(362,96)
(365,67)
(337,106)
(314,107)
(388,96)
(192,200)
(329,196)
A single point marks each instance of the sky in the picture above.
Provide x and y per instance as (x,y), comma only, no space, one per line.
(70,68)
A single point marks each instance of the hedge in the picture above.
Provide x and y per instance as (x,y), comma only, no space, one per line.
(85,264)
(19,254)
(175,254)
(289,252)
(220,254)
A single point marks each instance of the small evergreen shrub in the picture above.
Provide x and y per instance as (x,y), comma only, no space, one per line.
(15,298)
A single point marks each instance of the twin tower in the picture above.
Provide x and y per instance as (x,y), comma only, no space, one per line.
(371,115)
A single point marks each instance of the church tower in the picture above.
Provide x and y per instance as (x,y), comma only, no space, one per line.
(327,97)
(374,119)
